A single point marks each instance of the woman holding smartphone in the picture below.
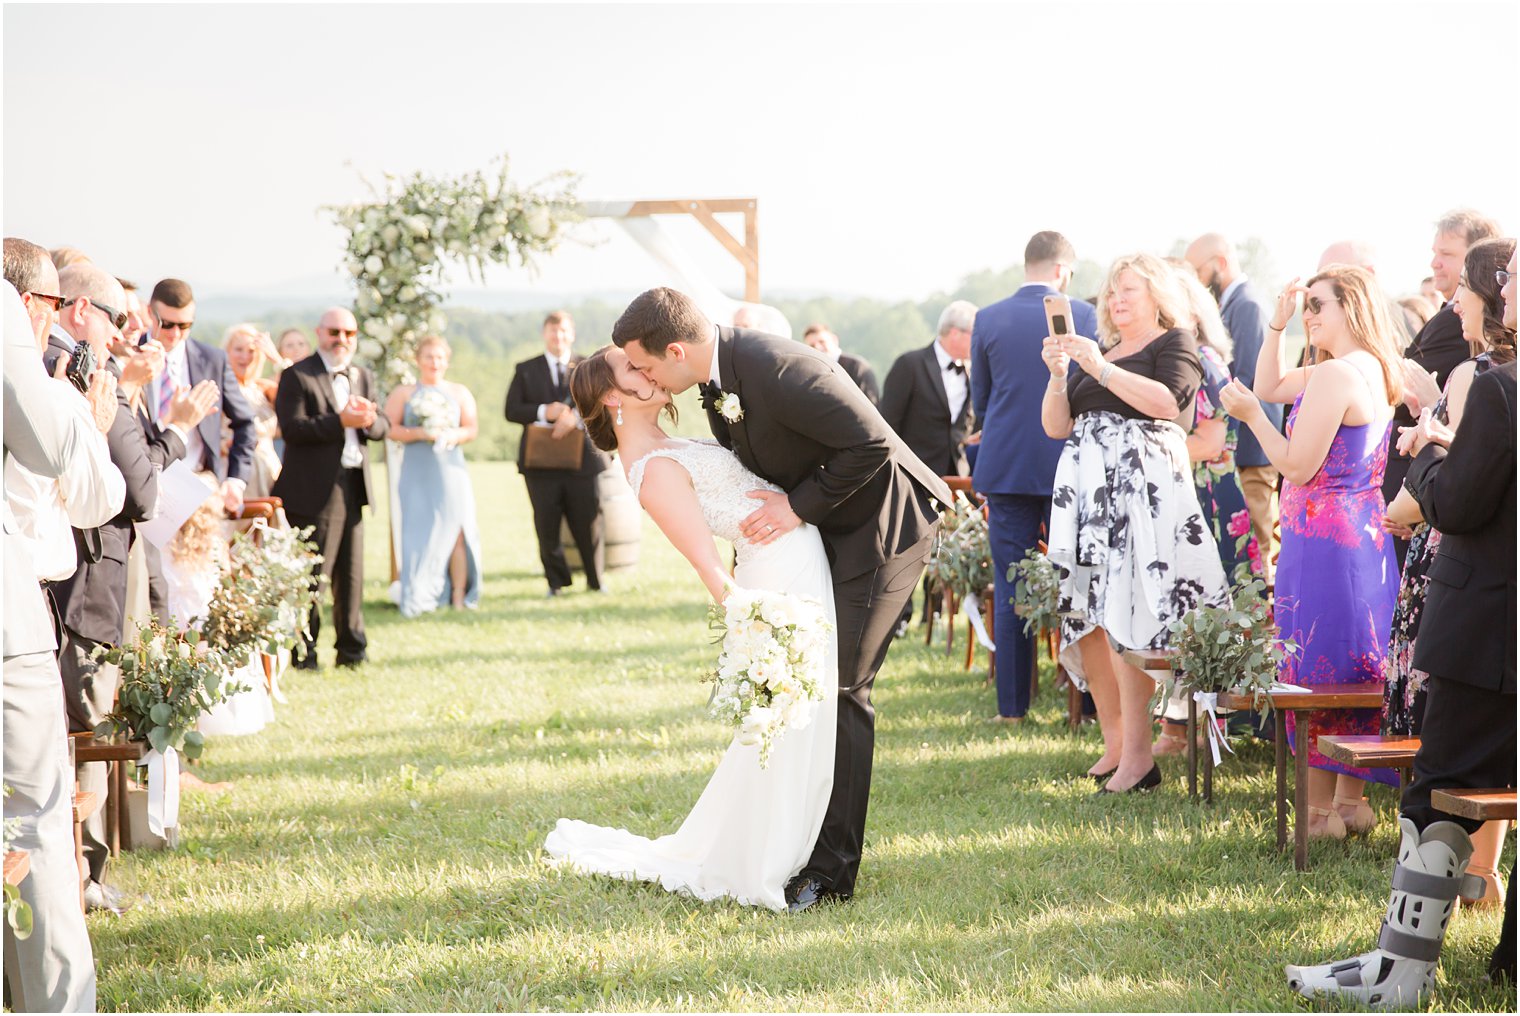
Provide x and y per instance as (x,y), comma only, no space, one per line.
(1126,531)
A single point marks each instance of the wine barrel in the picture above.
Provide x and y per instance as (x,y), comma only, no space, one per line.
(622,524)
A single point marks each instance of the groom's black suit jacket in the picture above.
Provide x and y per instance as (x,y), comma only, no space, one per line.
(808,428)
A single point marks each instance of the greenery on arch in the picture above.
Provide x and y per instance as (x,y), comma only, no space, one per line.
(400,242)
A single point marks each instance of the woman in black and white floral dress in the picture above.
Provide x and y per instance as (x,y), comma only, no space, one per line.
(1126,531)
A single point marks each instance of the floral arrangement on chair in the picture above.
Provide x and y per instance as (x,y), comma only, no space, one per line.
(1036,592)
(167,681)
(962,561)
(266,594)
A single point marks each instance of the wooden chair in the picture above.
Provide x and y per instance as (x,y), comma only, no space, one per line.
(1481,805)
(1373,751)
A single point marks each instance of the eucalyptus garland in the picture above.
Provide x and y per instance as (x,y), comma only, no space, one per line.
(167,681)
(962,560)
(1232,648)
(264,599)
(1036,591)
(399,243)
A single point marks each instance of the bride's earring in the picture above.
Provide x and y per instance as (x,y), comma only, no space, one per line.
(619,420)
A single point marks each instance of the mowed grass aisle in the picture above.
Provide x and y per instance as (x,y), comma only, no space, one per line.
(381,848)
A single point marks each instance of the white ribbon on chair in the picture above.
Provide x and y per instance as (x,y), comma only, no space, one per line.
(1208,702)
(163,789)
(974,615)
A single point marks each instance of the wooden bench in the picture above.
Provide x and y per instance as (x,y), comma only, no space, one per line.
(1325,696)
(1481,805)
(1372,751)
(114,754)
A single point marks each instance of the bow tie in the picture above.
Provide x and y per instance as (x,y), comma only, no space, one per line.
(338,372)
(710,394)
(957,367)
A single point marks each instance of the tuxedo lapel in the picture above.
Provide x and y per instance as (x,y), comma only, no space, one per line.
(325,385)
(935,381)
(738,436)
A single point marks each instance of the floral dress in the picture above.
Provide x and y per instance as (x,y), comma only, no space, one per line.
(1404,692)
(1219,496)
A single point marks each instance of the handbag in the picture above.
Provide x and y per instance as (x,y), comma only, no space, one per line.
(542,450)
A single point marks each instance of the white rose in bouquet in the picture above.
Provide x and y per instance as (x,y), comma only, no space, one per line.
(756,725)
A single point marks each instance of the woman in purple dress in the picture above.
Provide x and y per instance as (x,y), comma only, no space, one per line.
(1336,576)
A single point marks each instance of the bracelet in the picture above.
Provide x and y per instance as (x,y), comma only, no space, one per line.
(1276,328)
(1105,374)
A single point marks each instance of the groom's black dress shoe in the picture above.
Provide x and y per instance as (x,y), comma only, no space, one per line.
(805,890)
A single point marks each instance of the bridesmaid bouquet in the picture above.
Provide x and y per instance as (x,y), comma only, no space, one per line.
(772,666)
(435,414)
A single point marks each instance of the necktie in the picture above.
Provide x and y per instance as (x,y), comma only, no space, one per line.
(165,395)
(562,378)
(957,367)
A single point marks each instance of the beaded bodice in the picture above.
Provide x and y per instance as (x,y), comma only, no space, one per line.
(720,480)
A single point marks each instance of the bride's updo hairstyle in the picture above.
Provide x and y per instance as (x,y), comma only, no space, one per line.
(590,381)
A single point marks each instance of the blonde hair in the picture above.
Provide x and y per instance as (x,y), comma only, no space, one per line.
(1367,321)
(433,340)
(1159,279)
(1204,314)
(201,541)
(251,332)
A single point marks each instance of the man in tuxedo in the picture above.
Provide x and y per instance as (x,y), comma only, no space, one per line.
(826,342)
(327,412)
(1467,646)
(805,426)
(52,970)
(927,394)
(187,362)
(1245,317)
(539,395)
(1016,466)
(1439,346)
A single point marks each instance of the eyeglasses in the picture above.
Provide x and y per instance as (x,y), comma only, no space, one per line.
(340,332)
(1314,304)
(118,318)
(56,302)
(1500,276)
(169,326)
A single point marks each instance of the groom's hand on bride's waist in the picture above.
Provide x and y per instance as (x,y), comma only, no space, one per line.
(772,519)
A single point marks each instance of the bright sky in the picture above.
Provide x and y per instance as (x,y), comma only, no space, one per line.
(893,149)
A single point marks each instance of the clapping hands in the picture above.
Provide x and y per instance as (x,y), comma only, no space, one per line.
(360,412)
(1428,430)
(1239,401)
(1420,387)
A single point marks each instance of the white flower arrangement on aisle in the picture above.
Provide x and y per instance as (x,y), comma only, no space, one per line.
(435,414)
(772,666)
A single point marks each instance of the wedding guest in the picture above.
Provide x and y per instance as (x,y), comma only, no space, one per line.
(1336,580)
(1480,304)
(1468,740)
(1439,346)
(1417,313)
(53,969)
(1122,493)
(136,328)
(440,541)
(65,256)
(1211,449)
(187,362)
(327,414)
(1244,312)
(1363,255)
(293,346)
(247,347)
(1017,463)
(821,338)
(1428,290)
(539,395)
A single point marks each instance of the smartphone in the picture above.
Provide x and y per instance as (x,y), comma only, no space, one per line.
(1058,314)
(81,366)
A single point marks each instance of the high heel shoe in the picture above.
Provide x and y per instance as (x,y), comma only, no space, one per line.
(1333,827)
(1150,781)
(1361,819)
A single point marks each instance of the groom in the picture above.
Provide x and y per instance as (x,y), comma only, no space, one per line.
(796,419)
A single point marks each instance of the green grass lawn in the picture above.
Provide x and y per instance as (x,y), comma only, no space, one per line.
(381,848)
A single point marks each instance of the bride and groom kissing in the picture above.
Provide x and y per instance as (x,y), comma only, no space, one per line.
(821,500)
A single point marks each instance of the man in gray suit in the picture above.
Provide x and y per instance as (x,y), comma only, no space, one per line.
(53,970)
(1245,318)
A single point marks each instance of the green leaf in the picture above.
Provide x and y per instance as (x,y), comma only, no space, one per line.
(194,737)
(193,750)
(158,737)
(160,713)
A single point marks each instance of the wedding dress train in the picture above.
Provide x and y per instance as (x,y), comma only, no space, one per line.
(752,829)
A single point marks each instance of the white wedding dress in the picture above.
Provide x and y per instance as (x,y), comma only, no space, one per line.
(752,829)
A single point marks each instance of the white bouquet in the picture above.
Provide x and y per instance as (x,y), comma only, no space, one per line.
(772,666)
(435,414)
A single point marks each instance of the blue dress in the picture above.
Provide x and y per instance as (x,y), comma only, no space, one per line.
(437,505)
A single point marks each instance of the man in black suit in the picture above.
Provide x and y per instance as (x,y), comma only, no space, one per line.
(1439,346)
(927,395)
(187,363)
(327,412)
(540,396)
(1467,646)
(826,342)
(806,427)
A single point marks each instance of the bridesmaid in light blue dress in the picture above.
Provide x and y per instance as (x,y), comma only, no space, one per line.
(440,542)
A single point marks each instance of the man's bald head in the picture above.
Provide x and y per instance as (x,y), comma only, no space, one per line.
(1350,252)
(1213,258)
(92,300)
(83,279)
(337,335)
(29,268)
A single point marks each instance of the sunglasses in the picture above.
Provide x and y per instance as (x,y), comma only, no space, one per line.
(1500,276)
(118,318)
(170,326)
(56,302)
(1314,304)
(340,332)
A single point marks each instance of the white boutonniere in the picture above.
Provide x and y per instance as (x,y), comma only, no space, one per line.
(730,408)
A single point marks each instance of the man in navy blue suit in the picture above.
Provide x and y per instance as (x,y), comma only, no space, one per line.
(1017,462)
(171,313)
(1245,317)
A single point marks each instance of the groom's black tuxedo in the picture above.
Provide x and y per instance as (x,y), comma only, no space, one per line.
(808,428)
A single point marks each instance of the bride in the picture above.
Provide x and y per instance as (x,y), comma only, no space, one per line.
(752,829)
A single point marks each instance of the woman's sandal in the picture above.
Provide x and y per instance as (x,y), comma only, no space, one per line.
(1331,826)
(1361,818)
